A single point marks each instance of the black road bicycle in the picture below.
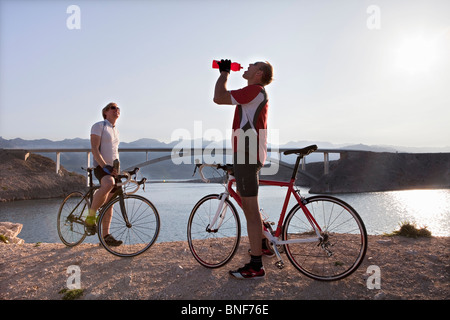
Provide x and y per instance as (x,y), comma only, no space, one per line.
(134,221)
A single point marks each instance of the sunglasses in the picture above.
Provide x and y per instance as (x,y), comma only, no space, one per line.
(114,108)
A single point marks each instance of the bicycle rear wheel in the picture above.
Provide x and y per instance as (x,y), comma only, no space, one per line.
(344,239)
(70,222)
(137,236)
(213,246)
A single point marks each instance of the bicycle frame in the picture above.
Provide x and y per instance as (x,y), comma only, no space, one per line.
(291,190)
(119,194)
(274,238)
(89,195)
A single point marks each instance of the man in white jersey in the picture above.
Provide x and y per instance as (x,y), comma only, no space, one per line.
(105,149)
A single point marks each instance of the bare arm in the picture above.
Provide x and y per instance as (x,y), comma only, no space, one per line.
(221,94)
(95,148)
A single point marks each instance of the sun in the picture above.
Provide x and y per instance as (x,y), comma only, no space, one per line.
(417,54)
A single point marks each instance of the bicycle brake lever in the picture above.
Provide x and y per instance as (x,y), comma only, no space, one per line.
(195,168)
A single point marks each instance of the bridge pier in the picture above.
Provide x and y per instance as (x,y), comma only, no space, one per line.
(326,163)
(58,162)
(88,159)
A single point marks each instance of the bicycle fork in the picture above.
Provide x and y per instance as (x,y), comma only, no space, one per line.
(219,217)
(124,211)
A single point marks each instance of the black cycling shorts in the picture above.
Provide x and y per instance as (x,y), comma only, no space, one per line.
(247,178)
(99,174)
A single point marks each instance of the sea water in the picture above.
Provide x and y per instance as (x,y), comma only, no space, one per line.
(381,211)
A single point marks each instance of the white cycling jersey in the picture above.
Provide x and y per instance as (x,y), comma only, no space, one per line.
(109,144)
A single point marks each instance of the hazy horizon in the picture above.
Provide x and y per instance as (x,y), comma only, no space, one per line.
(298,143)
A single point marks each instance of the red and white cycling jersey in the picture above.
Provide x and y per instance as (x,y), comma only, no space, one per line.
(250,117)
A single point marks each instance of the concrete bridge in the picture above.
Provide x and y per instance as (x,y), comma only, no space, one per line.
(179,152)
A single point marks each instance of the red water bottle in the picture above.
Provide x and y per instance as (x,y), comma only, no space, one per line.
(234,65)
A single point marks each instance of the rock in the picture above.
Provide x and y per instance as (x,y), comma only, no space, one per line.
(10,231)
(380,296)
(433,258)
(33,176)
(92,296)
(385,242)
(358,171)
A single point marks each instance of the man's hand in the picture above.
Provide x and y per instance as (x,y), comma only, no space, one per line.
(224,65)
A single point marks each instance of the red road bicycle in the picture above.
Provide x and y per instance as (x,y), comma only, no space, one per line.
(322,236)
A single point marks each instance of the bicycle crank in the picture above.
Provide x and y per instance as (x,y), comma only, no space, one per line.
(279,264)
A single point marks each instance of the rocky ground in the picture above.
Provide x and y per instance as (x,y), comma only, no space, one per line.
(411,269)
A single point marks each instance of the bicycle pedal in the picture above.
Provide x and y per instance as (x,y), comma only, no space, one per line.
(279,264)
(90,231)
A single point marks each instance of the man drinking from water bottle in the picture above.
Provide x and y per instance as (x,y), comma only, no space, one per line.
(249,142)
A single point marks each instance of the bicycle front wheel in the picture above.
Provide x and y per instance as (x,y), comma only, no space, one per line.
(70,222)
(213,245)
(134,236)
(343,242)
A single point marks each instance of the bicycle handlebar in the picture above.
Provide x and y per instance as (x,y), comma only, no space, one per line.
(138,184)
(225,167)
(200,168)
(127,175)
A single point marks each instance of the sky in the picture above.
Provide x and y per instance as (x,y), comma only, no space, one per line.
(372,72)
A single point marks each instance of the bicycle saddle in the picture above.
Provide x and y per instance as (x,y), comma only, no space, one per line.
(302,152)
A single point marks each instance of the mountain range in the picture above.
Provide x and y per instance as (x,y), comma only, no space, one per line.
(19,143)
(166,169)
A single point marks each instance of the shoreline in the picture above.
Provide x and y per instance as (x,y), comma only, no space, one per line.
(411,269)
(336,194)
